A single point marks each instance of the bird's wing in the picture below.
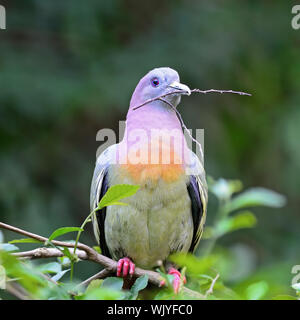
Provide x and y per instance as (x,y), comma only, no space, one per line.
(197,189)
(98,189)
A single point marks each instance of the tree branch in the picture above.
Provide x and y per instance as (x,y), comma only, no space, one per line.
(48,253)
(185,129)
(100,275)
(17,291)
(83,252)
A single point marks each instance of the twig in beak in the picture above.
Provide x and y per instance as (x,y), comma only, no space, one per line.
(184,128)
(194,90)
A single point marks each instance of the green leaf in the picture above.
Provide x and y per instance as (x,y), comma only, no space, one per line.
(64,261)
(60,274)
(67,253)
(103,294)
(140,284)
(113,283)
(95,284)
(27,275)
(116,193)
(245,219)
(223,189)
(25,240)
(165,295)
(257,290)
(60,231)
(117,203)
(284,297)
(8,247)
(194,265)
(97,248)
(256,197)
(164,276)
(108,289)
(51,267)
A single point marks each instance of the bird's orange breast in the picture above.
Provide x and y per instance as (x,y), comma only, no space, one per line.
(153,164)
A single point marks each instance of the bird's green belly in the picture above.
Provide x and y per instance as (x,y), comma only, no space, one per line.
(156,222)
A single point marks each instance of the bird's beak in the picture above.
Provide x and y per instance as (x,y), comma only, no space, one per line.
(180,87)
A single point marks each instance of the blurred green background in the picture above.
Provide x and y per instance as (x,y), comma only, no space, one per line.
(68,69)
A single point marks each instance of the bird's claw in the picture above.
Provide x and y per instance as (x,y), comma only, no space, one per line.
(162,283)
(177,279)
(124,265)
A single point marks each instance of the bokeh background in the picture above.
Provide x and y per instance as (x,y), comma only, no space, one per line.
(67,70)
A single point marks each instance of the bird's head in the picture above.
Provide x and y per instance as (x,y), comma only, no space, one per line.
(158,82)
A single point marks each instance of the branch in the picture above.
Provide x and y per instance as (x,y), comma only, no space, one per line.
(84,252)
(48,253)
(17,291)
(211,288)
(100,275)
(221,91)
(185,129)
(194,90)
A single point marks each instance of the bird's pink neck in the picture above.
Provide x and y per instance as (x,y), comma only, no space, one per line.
(152,116)
(153,145)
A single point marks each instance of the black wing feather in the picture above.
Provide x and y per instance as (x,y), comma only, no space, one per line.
(101,215)
(197,210)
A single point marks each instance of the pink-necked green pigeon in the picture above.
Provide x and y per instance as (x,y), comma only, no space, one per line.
(168,212)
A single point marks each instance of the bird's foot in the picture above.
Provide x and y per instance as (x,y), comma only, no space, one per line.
(125,267)
(177,279)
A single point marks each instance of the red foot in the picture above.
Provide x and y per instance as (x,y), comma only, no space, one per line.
(123,266)
(162,283)
(176,282)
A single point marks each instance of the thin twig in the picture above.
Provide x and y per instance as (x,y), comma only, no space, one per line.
(157,98)
(90,254)
(194,90)
(184,128)
(211,288)
(100,275)
(221,91)
(46,277)
(17,291)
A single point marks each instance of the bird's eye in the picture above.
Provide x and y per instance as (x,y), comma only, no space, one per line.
(154,82)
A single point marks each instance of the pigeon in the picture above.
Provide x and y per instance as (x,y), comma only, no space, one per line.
(167,213)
